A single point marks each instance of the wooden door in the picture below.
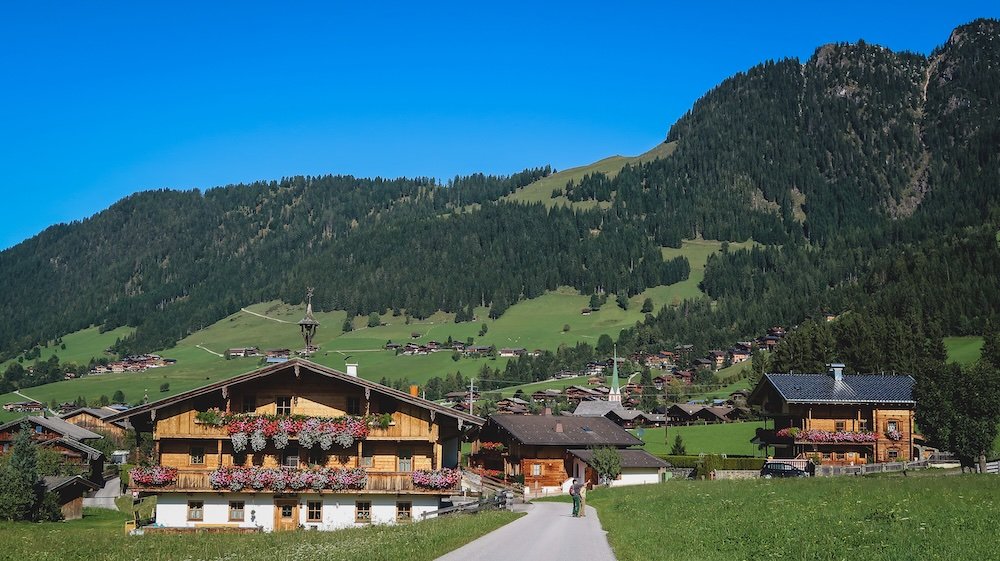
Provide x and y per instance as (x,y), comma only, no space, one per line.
(286,514)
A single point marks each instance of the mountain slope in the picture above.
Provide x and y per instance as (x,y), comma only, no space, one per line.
(862,171)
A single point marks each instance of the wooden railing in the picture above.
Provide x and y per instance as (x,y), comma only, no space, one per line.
(378,482)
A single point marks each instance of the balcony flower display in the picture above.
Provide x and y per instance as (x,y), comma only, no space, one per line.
(437,479)
(254,430)
(492,446)
(894,435)
(153,476)
(816,435)
(282,479)
(790,432)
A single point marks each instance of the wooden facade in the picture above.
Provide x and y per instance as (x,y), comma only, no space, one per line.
(420,436)
(866,429)
(91,420)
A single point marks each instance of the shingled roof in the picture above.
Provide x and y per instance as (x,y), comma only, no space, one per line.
(543,430)
(55,425)
(629,458)
(852,388)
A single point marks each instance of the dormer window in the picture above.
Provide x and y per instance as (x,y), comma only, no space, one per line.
(284,405)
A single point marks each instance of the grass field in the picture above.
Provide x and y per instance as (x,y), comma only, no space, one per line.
(81,346)
(725,438)
(964,350)
(820,519)
(99,537)
(541,191)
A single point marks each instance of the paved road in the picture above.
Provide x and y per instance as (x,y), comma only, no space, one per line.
(547,533)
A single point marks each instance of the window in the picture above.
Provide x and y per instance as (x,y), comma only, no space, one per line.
(840,426)
(239,458)
(317,457)
(405,462)
(249,403)
(893,454)
(404,512)
(863,425)
(39,429)
(197,455)
(287,510)
(290,457)
(284,405)
(353,405)
(367,454)
(236,511)
(314,511)
(196,510)
(536,469)
(363,511)
(893,426)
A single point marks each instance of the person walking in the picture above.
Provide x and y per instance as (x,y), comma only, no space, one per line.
(583,499)
(574,491)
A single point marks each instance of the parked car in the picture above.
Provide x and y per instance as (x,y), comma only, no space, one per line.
(779,469)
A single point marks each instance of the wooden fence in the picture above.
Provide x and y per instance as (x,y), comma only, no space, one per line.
(865,469)
(993,467)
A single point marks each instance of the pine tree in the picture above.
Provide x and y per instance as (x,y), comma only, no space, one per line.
(19,487)
(678,448)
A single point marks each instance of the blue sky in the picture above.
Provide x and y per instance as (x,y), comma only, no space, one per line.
(100,100)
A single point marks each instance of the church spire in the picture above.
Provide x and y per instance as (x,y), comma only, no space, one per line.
(615,394)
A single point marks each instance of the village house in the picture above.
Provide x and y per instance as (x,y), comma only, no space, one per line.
(843,419)
(23,407)
(473,350)
(71,442)
(93,419)
(538,447)
(718,358)
(297,445)
(513,406)
(243,352)
(620,415)
(69,492)
(345,451)
(638,467)
(541,396)
(739,354)
(512,352)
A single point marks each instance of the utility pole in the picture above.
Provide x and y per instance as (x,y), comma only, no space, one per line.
(472,389)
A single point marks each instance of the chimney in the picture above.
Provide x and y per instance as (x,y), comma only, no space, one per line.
(559,427)
(547,412)
(837,371)
(414,389)
(352,369)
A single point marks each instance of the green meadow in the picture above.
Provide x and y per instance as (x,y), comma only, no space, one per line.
(821,519)
(723,438)
(99,537)
(964,350)
(541,191)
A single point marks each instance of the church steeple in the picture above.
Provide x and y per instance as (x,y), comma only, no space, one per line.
(308,324)
(615,395)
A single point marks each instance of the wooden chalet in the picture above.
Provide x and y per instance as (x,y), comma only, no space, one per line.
(69,491)
(843,419)
(93,419)
(536,447)
(297,445)
(70,441)
(620,415)
(513,405)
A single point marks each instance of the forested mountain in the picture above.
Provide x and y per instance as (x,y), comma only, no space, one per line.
(870,178)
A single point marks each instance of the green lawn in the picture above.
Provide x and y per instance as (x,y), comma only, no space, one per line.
(964,350)
(725,438)
(820,519)
(99,536)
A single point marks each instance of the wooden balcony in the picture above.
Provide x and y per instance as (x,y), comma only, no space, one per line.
(388,483)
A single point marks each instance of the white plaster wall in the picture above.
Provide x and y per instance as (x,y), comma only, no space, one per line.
(637,476)
(338,510)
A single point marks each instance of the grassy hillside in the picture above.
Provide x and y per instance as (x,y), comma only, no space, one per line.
(533,324)
(876,519)
(541,191)
(964,350)
(81,346)
(98,536)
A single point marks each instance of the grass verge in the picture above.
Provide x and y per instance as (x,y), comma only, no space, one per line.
(99,537)
(820,519)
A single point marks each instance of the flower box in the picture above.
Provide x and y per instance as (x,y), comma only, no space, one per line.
(282,479)
(437,479)
(152,476)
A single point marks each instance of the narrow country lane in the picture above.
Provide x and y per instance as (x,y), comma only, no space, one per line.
(547,533)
